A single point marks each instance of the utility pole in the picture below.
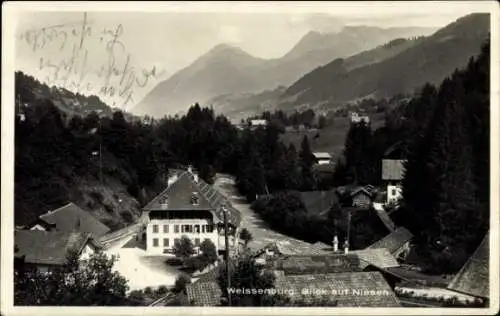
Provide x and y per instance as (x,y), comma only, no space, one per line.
(226,255)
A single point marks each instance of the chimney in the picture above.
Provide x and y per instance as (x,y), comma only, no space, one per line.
(335,244)
(346,247)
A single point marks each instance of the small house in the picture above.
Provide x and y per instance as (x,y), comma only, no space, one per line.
(393,169)
(47,250)
(357,119)
(359,197)
(323,158)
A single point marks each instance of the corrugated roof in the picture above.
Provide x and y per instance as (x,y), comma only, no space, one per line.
(473,278)
(48,247)
(71,217)
(178,196)
(349,289)
(392,169)
(394,240)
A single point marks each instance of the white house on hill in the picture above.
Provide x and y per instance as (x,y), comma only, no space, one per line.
(323,158)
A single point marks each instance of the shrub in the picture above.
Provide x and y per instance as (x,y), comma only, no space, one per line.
(148,290)
(162,290)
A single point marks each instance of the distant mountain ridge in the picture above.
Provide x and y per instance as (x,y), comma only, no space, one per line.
(430,60)
(229,70)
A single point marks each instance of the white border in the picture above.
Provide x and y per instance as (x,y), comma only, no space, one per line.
(9,10)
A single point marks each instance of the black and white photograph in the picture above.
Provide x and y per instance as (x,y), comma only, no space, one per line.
(193,157)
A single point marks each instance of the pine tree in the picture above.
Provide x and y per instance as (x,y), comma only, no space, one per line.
(306,164)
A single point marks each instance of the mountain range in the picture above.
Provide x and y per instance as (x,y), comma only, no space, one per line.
(430,59)
(227,70)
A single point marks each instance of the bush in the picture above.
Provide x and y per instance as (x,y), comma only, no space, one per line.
(148,290)
(162,290)
(137,295)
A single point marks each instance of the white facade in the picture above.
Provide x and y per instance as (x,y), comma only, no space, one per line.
(87,251)
(37,227)
(162,233)
(394,193)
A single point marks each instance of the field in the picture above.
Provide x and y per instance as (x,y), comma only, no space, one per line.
(331,138)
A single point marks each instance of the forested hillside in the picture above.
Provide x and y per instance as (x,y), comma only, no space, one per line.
(444,133)
(57,157)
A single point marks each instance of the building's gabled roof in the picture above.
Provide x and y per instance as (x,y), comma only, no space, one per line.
(48,247)
(473,278)
(393,169)
(320,155)
(394,240)
(380,258)
(318,202)
(178,197)
(71,217)
(348,287)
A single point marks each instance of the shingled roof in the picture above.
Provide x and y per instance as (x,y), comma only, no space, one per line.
(392,169)
(204,293)
(473,278)
(394,240)
(71,217)
(48,247)
(312,264)
(359,289)
(178,196)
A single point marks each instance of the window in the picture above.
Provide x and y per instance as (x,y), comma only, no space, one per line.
(155,242)
(176,241)
(155,228)
(197,242)
(197,229)
(210,228)
(394,192)
(195,200)
(203,228)
(166,242)
(187,228)
(176,228)
(165,228)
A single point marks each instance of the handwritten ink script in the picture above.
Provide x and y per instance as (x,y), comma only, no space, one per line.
(72,55)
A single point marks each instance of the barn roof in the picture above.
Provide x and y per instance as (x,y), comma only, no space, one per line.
(71,217)
(473,278)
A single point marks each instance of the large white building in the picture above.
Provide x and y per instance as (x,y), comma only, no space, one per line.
(188,207)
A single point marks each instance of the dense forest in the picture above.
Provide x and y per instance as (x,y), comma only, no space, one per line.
(55,151)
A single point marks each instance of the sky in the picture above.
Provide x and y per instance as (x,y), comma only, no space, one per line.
(157,43)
